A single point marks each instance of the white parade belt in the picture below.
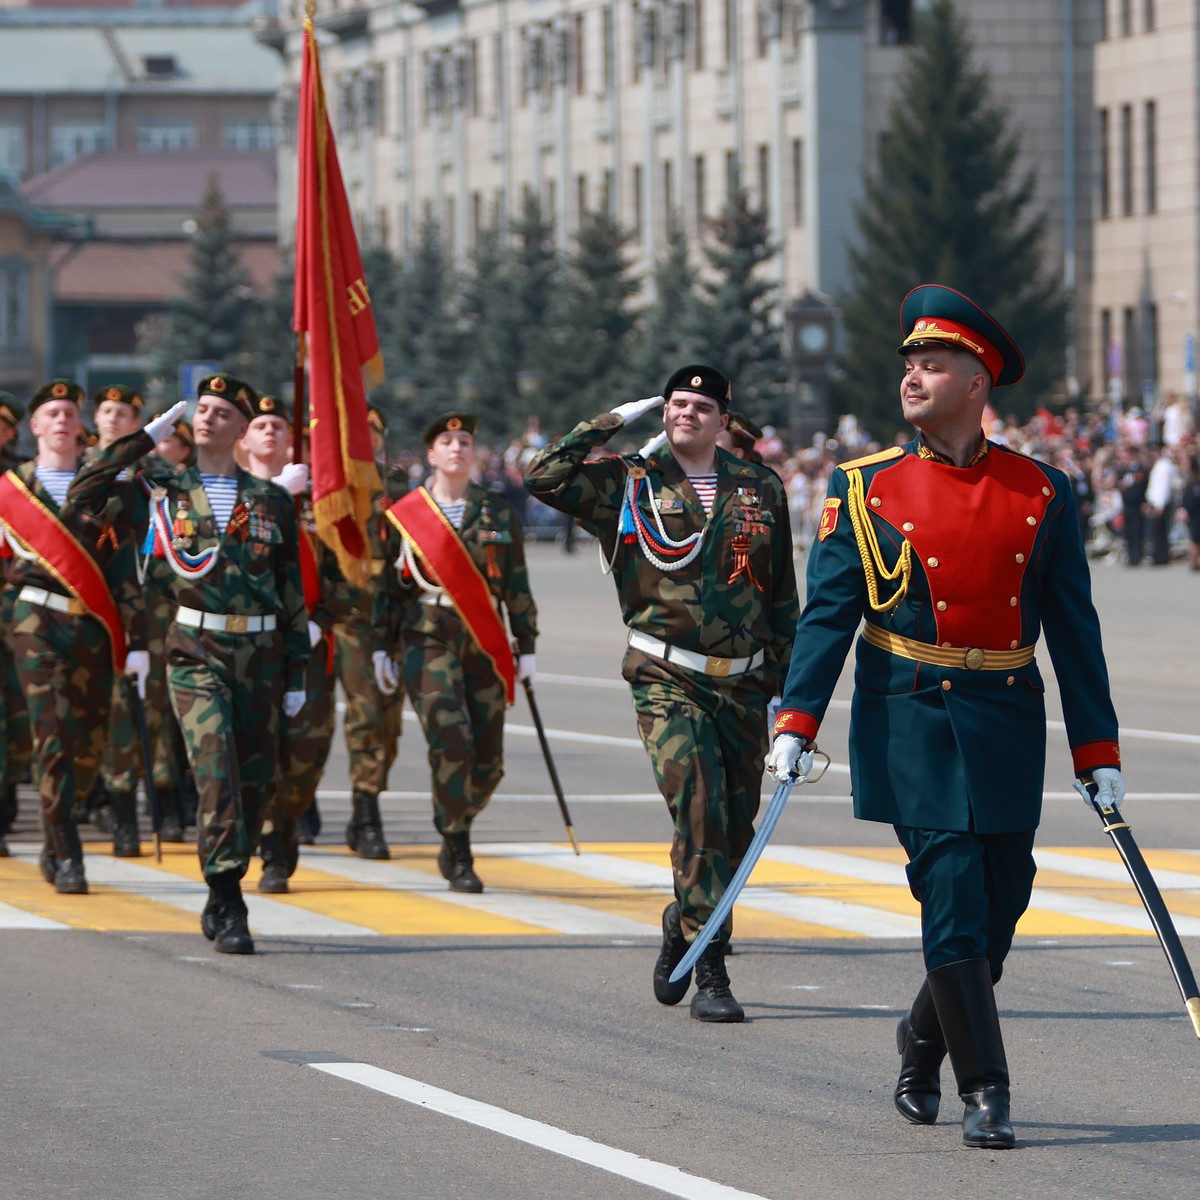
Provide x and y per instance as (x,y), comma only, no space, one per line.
(437,600)
(706,664)
(62,604)
(225,622)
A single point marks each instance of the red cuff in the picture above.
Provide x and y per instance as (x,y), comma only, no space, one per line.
(1091,755)
(790,720)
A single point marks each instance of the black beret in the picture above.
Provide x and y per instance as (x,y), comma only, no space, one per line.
(708,381)
(56,389)
(450,422)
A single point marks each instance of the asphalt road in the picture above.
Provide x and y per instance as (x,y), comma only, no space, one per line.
(136,1063)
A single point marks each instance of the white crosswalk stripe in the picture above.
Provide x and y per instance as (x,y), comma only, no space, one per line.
(15,918)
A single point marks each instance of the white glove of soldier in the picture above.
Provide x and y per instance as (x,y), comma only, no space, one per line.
(293,478)
(635,408)
(293,702)
(654,444)
(137,667)
(387,678)
(1110,788)
(788,758)
(315,633)
(526,667)
(163,424)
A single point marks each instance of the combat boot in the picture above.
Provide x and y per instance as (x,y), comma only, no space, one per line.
(8,814)
(280,853)
(457,864)
(713,1000)
(673,949)
(126,840)
(966,1008)
(922,1048)
(364,834)
(170,816)
(224,920)
(69,879)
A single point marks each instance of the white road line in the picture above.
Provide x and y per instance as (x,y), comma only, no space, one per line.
(556,916)
(812,910)
(15,918)
(659,1176)
(268,918)
(1111,871)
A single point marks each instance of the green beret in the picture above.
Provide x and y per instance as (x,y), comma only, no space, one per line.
(56,389)
(743,429)
(183,431)
(121,394)
(10,410)
(267,405)
(708,381)
(450,422)
(224,387)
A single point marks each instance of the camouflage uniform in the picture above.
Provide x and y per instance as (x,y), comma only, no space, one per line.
(15,746)
(227,688)
(705,733)
(454,689)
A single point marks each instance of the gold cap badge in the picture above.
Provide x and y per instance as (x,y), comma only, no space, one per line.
(453,423)
(696,381)
(267,404)
(217,384)
(59,390)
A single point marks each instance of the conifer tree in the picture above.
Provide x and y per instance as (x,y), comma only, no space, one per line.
(946,206)
(666,336)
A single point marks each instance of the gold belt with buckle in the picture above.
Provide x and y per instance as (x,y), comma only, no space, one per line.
(973,659)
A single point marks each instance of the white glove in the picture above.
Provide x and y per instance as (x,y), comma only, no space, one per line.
(137,665)
(293,478)
(789,759)
(163,424)
(1110,788)
(655,443)
(526,667)
(315,633)
(635,408)
(387,677)
(293,702)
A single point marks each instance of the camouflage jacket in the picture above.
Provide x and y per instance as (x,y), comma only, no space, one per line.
(258,567)
(102,519)
(710,605)
(492,535)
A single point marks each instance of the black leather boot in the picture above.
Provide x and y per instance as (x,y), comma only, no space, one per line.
(713,1000)
(170,815)
(364,834)
(224,920)
(280,852)
(674,947)
(8,814)
(457,864)
(922,1048)
(966,1007)
(126,841)
(69,879)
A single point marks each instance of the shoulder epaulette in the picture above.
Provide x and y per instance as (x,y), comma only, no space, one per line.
(870,459)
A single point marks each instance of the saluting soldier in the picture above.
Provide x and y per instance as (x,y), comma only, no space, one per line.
(238,646)
(956,552)
(77,611)
(459,560)
(372,721)
(699,544)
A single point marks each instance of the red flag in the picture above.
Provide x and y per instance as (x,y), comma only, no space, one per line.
(333,307)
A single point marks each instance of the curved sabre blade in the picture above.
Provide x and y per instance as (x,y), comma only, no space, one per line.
(725,905)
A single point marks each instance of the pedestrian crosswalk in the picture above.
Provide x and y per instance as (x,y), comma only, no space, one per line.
(613,890)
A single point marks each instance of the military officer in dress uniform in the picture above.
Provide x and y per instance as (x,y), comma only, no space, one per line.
(238,647)
(77,612)
(459,560)
(956,552)
(700,546)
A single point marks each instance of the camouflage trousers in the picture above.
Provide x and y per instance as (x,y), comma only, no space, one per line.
(460,703)
(372,721)
(15,746)
(227,691)
(65,668)
(304,742)
(706,738)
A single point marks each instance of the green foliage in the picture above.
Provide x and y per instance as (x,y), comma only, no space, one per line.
(668,333)
(946,207)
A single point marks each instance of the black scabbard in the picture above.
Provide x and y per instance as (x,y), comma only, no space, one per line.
(1118,829)
(558,792)
(139,717)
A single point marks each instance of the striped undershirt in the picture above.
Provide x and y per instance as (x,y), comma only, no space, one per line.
(56,482)
(222,495)
(454,510)
(706,490)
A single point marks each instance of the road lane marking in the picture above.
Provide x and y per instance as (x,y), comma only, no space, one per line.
(646,1171)
(16,918)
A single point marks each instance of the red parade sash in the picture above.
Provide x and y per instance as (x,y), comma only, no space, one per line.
(60,553)
(419,518)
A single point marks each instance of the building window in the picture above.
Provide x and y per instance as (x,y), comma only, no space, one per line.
(637,199)
(729,30)
(578,56)
(1129,337)
(797,181)
(1149,16)
(1106,346)
(1126,159)
(12,151)
(609,200)
(608,51)
(696,30)
(698,190)
(895,22)
(1126,16)
(476,217)
(14,305)
(1150,344)
(249,133)
(581,197)
(668,178)
(1103,166)
(1151,156)
(70,141)
(498,73)
(471,80)
(764,177)
(733,181)
(167,135)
